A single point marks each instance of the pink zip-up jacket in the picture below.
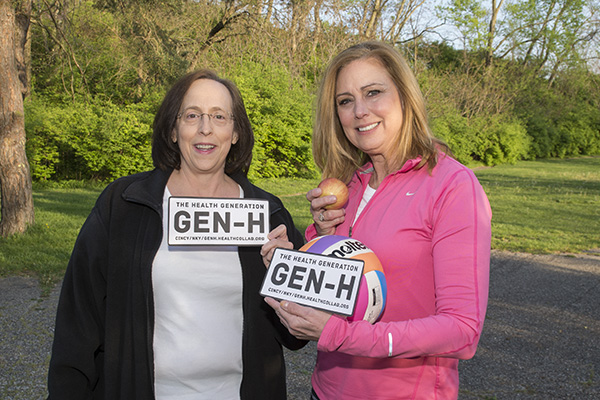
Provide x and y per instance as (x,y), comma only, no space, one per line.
(432,234)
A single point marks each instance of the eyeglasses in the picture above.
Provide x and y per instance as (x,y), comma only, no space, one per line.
(193,118)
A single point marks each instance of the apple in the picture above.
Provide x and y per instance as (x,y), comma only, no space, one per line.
(337,188)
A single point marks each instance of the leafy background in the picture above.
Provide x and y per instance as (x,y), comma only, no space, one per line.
(529,89)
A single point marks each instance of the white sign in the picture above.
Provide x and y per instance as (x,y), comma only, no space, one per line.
(324,282)
(210,221)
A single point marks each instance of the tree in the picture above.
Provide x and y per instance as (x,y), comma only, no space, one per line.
(492,32)
(468,16)
(15,179)
(550,35)
(383,19)
(401,15)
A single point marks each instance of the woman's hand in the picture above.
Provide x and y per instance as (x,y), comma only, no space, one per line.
(325,220)
(277,238)
(305,323)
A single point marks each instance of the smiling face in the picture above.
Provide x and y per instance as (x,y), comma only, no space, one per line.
(204,143)
(369,107)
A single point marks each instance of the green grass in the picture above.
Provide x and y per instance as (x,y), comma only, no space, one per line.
(46,246)
(547,206)
(540,207)
(293,194)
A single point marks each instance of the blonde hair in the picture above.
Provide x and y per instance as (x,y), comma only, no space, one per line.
(332,151)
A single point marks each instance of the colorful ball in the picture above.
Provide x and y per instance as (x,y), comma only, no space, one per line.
(373,289)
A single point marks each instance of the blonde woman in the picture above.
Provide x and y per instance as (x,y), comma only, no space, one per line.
(425,216)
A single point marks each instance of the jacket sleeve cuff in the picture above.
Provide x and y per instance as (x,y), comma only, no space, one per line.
(311,232)
(334,327)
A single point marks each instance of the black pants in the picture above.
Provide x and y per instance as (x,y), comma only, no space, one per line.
(313,395)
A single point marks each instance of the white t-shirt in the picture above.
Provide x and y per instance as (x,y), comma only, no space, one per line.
(198,320)
(369,192)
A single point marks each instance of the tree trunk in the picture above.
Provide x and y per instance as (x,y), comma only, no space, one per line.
(15,179)
(492,33)
(375,16)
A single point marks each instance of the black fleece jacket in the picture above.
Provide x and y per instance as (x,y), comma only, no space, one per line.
(105,321)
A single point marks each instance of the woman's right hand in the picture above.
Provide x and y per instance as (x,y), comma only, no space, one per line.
(325,220)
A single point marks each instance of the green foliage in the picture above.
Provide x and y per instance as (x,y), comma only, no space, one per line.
(94,59)
(453,129)
(94,141)
(469,18)
(549,31)
(490,140)
(100,140)
(119,55)
(562,121)
(441,56)
(280,113)
(100,68)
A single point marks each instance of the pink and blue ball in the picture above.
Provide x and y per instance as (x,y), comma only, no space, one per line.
(372,291)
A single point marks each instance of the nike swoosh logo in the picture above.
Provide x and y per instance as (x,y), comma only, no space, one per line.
(410,193)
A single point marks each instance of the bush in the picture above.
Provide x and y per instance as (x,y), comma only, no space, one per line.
(95,141)
(562,120)
(490,140)
(571,134)
(102,141)
(453,129)
(280,112)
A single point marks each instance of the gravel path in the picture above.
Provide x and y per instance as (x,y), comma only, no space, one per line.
(541,338)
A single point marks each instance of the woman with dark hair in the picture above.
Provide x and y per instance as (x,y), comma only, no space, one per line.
(166,153)
(422,213)
(140,319)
